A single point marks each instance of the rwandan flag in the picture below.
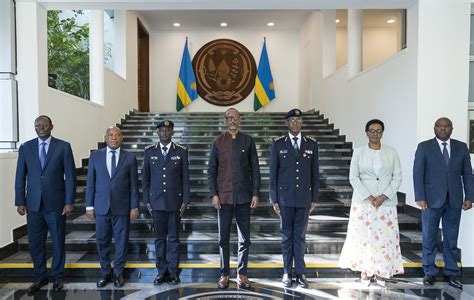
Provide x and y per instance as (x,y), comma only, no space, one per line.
(264,89)
(186,81)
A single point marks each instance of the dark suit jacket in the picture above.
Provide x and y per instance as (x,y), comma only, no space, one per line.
(433,180)
(294,180)
(118,194)
(245,168)
(54,186)
(166,182)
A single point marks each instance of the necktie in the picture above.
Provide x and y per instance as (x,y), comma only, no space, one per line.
(164,152)
(113,165)
(445,154)
(295,145)
(43,154)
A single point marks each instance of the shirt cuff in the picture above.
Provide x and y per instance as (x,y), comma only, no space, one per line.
(90,208)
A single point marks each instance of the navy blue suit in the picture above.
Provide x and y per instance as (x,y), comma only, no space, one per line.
(294,184)
(44,192)
(166,187)
(112,198)
(442,187)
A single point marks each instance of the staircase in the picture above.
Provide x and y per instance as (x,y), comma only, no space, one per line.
(199,251)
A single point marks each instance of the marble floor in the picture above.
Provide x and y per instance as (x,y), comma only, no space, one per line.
(320,288)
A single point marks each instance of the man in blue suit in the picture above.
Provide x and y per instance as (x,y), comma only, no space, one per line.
(294,189)
(112,200)
(442,170)
(45,187)
(166,195)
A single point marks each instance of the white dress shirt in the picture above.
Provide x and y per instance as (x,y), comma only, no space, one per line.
(298,141)
(167,148)
(441,146)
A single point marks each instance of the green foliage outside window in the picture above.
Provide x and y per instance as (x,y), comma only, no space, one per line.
(68,54)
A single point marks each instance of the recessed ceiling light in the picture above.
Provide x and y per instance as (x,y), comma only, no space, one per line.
(270,24)
(390,21)
(176,24)
(337,20)
(223,24)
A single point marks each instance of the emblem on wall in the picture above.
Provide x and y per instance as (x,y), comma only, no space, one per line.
(225,72)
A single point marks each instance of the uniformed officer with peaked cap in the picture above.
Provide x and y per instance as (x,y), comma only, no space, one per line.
(166,194)
(294,187)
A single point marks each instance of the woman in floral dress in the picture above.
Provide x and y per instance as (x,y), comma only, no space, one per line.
(372,245)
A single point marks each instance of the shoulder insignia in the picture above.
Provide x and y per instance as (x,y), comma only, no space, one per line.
(279,138)
(311,138)
(150,146)
(181,146)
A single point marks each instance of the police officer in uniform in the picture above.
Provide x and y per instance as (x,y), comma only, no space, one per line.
(166,195)
(294,187)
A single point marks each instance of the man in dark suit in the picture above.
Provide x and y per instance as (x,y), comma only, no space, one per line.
(234,183)
(112,200)
(294,188)
(45,188)
(441,171)
(166,195)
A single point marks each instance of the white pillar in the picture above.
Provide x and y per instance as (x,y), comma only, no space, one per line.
(329,42)
(354,41)
(96,56)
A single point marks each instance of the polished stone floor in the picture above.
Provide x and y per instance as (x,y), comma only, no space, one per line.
(321,288)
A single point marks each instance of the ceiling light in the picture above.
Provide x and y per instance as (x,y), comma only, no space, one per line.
(390,21)
(337,20)
(223,24)
(270,24)
(176,24)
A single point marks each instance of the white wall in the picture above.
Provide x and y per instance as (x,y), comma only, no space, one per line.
(9,218)
(379,44)
(166,50)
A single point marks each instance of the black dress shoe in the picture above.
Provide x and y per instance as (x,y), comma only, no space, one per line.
(119,280)
(159,279)
(287,281)
(37,285)
(453,282)
(58,285)
(173,279)
(301,281)
(429,280)
(223,282)
(103,281)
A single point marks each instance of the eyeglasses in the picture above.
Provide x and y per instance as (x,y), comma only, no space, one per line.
(232,119)
(295,120)
(375,131)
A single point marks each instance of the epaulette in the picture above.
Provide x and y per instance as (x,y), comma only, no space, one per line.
(150,146)
(181,146)
(312,138)
(279,138)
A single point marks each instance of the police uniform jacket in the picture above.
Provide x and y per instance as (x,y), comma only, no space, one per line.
(294,179)
(165,182)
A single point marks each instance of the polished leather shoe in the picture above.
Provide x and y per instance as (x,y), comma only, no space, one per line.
(103,281)
(243,281)
(58,285)
(159,279)
(429,280)
(119,281)
(37,285)
(301,281)
(453,282)
(286,280)
(223,282)
(173,279)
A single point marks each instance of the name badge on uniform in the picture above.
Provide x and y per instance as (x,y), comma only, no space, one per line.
(154,157)
(309,151)
(283,151)
(175,157)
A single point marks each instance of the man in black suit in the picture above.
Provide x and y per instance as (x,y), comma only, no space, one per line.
(45,187)
(166,195)
(112,200)
(234,183)
(294,188)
